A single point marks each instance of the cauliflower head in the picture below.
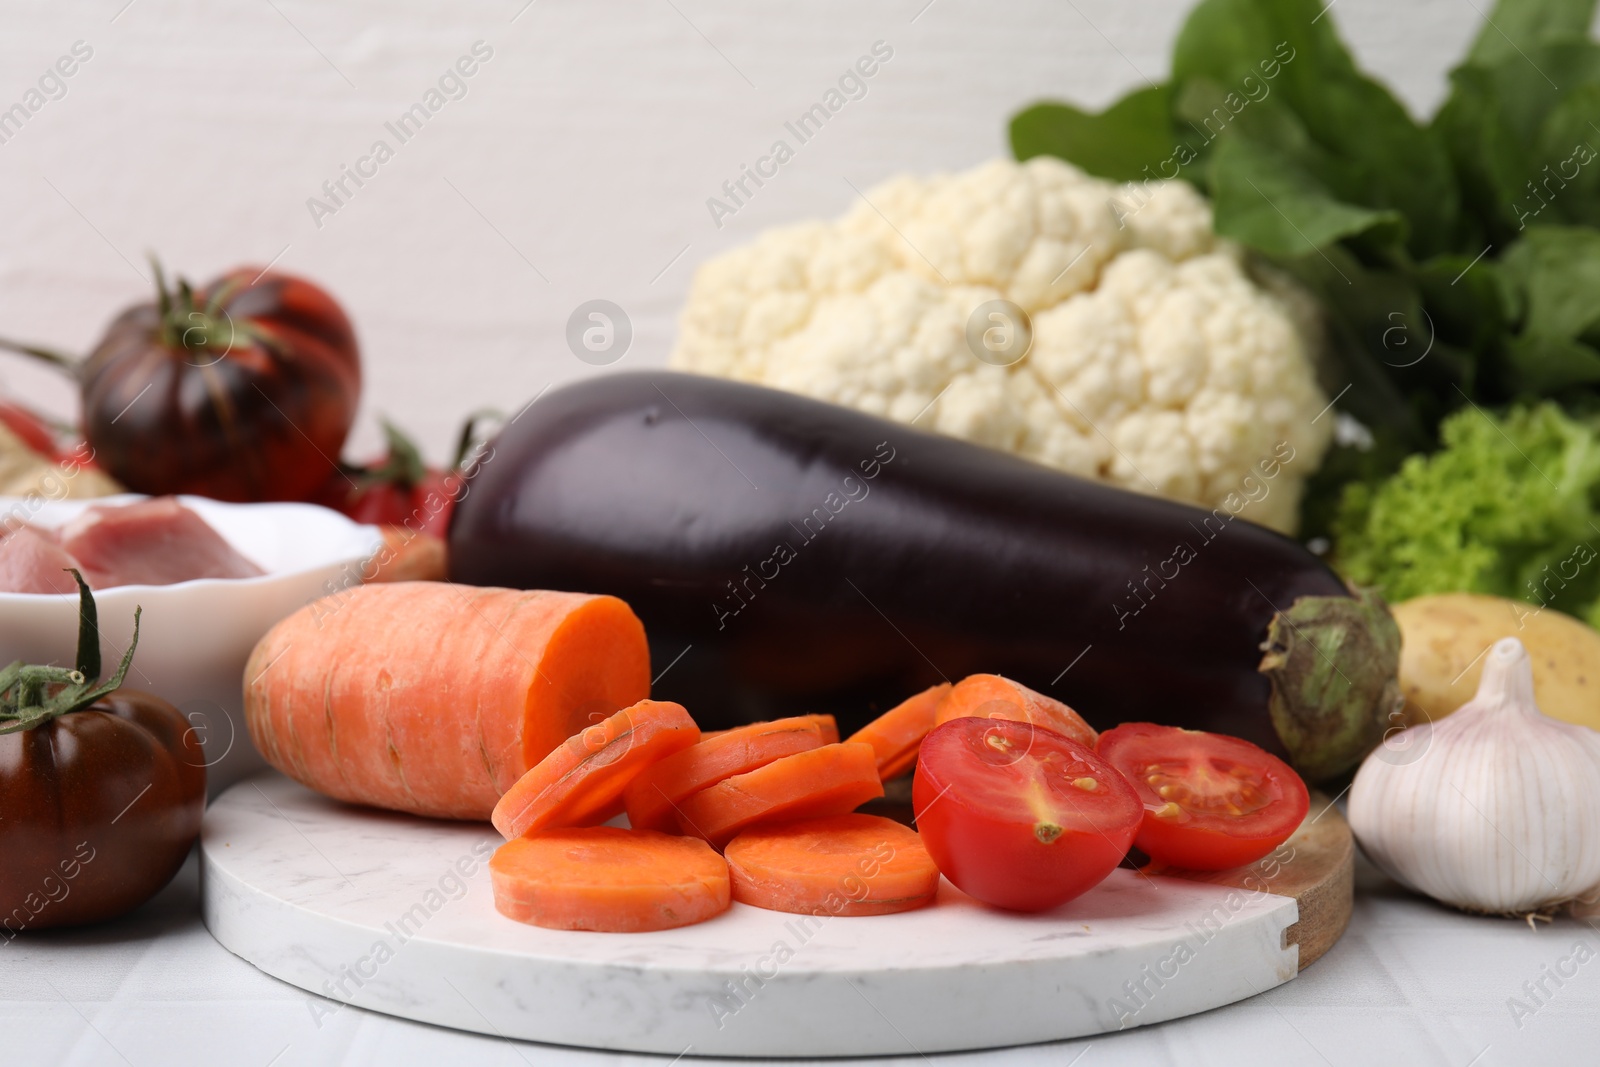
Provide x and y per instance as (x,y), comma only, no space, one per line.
(1157,364)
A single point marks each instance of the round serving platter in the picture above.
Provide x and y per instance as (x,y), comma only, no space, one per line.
(395,914)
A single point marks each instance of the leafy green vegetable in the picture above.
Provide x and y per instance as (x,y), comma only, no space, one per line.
(1517,26)
(1267,201)
(1558,268)
(1508,506)
(1361,129)
(1458,260)
(1125,143)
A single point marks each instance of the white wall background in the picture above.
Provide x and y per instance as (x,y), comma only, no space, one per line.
(577,166)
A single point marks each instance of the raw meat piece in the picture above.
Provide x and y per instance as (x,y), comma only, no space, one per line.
(32,562)
(152,542)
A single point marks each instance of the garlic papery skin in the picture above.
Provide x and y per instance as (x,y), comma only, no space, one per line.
(1495,808)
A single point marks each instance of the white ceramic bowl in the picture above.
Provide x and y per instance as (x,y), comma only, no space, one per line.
(194,637)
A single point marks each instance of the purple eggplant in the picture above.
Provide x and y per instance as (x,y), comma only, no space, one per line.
(788,555)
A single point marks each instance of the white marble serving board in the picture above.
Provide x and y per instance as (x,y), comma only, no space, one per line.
(395,914)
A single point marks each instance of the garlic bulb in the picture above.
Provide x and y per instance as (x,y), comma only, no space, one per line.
(1495,808)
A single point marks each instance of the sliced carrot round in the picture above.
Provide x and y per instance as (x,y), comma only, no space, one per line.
(652,798)
(839,865)
(581,782)
(609,879)
(989,696)
(830,780)
(896,734)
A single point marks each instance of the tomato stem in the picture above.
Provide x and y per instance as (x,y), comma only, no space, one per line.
(187,328)
(469,434)
(163,294)
(33,694)
(404,465)
(45,355)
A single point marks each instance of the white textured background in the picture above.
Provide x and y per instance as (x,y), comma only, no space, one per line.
(584,152)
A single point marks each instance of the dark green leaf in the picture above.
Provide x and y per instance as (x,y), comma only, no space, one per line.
(1557,269)
(1210,111)
(1131,139)
(1376,329)
(1227,40)
(1342,465)
(1564,179)
(1515,26)
(1489,156)
(1287,51)
(1541,365)
(1464,307)
(1529,86)
(1264,200)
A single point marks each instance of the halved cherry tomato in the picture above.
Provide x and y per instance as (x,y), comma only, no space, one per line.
(1210,801)
(1019,816)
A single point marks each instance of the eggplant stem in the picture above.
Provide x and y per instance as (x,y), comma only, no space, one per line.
(1333,664)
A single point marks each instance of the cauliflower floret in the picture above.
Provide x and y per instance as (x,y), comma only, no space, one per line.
(1157,363)
(1170,217)
(1035,232)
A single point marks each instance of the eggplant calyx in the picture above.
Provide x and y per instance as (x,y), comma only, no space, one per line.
(32,695)
(1334,666)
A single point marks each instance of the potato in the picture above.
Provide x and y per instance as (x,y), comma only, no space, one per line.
(1444,637)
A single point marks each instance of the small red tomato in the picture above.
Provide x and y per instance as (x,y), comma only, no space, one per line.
(1019,816)
(422,506)
(1210,801)
(401,489)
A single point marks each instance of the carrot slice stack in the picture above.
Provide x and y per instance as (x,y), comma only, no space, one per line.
(609,879)
(826,723)
(830,780)
(581,782)
(840,865)
(989,696)
(652,798)
(896,734)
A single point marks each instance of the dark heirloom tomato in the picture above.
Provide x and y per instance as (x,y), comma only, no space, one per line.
(1019,816)
(1210,802)
(98,809)
(244,390)
(101,788)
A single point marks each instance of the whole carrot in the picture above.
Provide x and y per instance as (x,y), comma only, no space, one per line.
(434,698)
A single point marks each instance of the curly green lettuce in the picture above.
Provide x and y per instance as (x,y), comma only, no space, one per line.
(1507,507)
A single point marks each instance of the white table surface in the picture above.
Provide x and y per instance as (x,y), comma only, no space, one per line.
(1409,983)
